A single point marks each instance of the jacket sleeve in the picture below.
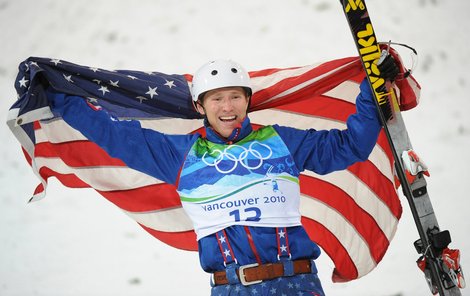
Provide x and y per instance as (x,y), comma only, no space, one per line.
(326,151)
(151,152)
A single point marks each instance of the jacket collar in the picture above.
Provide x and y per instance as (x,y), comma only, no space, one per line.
(237,134)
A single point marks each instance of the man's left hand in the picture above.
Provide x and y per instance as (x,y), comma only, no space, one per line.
(388,67)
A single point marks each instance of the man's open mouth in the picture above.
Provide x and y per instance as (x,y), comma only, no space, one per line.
(227,118)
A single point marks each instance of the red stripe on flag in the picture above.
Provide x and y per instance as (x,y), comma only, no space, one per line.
(326,107)
(320,68)
(69,180)
(268,72)
(36,125)
(361,220)
(147,198)
(39,189)
(26,155)
(321,86)
(185,240)
(345,269)
(77,154)
(379,184)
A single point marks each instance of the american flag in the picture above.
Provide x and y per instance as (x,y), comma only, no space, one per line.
(352,214)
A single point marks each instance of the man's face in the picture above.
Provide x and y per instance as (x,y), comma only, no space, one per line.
(225,109)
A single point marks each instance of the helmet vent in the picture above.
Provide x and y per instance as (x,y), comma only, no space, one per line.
(234,70)
(214,72)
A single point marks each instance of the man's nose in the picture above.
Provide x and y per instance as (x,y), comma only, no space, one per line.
(227,104)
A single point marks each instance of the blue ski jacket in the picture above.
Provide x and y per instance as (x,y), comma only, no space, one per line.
(162,156)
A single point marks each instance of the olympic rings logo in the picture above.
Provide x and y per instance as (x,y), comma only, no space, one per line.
(242,157)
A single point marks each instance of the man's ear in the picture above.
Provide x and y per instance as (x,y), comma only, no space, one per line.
(200,108)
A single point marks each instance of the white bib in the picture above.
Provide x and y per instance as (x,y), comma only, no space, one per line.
(253,182)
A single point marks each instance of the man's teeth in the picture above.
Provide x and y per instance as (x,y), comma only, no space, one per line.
(227,118)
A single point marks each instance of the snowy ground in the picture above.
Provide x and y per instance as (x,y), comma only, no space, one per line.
(76,243)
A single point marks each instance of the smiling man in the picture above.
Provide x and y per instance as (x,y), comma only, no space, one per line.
(226,108)
(221,91)
(239,186)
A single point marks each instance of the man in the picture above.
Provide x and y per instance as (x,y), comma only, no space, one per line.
(239,186)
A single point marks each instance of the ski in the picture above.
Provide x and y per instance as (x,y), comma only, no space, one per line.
(440,264)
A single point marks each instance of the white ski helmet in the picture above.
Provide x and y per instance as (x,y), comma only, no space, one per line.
(217,74)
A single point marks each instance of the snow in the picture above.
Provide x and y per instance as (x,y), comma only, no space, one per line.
(76,243)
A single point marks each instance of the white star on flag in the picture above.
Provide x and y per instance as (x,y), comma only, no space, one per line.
(131,77)
(55,61)
(170,84)
(281,233)
(141,98)
(227,253)
(23,82)
(92,100)
(283,248)
(94,69)
(152,92)
(104,89)
(68,78)
(114,83)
